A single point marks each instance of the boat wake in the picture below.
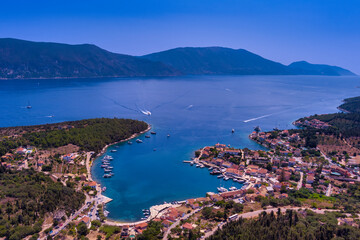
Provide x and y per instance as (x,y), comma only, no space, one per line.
(190,106)
(145,112)
(253,119)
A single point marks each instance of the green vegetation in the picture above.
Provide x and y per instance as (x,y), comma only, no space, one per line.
(109,230)
(89,135)
(291,225)
(26,196)
(351,105)
(152,232)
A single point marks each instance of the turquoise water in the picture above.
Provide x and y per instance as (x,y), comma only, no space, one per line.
(195,111)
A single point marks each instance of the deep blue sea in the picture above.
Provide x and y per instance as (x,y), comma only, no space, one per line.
(195,111)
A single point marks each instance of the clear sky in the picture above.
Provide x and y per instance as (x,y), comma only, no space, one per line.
(319,31)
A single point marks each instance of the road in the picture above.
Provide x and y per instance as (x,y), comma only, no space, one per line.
(269,210)
(299,185)
(178,222)
(328,191)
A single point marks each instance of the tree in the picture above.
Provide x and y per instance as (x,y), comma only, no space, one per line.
(82,229)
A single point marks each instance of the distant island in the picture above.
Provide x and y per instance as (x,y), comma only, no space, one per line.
(20,59)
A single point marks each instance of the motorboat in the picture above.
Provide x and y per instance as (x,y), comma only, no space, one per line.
(139,141)
(222,189)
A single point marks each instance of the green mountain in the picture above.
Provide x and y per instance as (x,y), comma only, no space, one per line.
(218,60)
(303,67)
(25,59)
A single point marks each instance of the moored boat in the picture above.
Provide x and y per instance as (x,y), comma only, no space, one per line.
(139,141)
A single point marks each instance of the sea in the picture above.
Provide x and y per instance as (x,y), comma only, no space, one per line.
(196,111)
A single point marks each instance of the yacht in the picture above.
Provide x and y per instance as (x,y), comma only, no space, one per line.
(139,141)
(113,150)
(233,188)
(222,189)
(110,167)
(220,176)
(153,132)
(226,178)
(129,142)
(147,136)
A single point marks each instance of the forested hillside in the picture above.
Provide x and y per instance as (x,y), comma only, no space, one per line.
(89,135)
(292,225)
(26,196)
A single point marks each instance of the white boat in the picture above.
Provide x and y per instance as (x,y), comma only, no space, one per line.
(139,141)
(222,189)
(129,142)
(226,178)
(113,150)
(233,188)
(220,176)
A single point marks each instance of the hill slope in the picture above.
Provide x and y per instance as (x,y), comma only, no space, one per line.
(303,67)
(217,60)
(25,59)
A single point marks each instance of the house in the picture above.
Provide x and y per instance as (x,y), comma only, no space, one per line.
(192,203)
(187,226)
(86,220)
(216,198)
(166,223)
(262,172)
(70,157)
(141,226)
(40,163)
(310,179)
(90,184)
(20,150)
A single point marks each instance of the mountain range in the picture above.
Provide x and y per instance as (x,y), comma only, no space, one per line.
(26,59)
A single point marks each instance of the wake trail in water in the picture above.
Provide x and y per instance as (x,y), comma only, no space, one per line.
(253,119)
(171,101)
(119,104)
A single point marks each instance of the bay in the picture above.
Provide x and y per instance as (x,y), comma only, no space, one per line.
(196,111)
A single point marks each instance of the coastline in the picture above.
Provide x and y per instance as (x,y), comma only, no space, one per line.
(90,160)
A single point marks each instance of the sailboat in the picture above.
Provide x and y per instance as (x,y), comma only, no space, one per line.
(28,106)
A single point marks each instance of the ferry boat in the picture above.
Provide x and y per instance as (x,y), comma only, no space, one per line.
(129,142)
(222,189)
(153,133)
(233,188)
(147,136)
(139,141)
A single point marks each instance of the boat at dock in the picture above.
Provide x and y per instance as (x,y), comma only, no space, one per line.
(103,166)
(226,178)
(139,141)
(233,188)
(215,172)
(110,167)
(220,176)
(107,170)
(222,189)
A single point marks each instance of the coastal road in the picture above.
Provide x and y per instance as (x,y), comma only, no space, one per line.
(168,231)
(269,210)
(88,156)
(299,185)
(70,219)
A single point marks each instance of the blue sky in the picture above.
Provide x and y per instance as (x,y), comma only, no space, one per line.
(319,31)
